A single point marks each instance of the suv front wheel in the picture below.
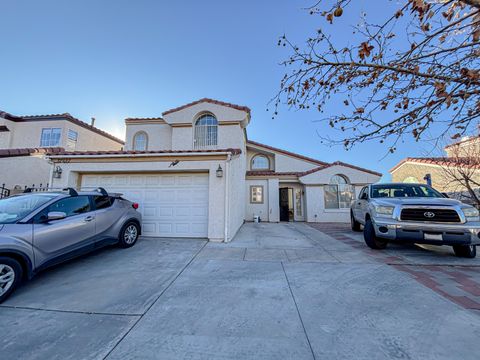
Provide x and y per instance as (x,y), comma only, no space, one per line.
(371,238)
(10,276)
(465,251)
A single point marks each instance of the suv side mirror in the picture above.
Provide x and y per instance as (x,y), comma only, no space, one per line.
(364,196)
(56,215)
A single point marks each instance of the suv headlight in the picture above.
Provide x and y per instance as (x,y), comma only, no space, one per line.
(383,210)
(471,213)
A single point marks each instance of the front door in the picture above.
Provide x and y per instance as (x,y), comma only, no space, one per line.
(284,204)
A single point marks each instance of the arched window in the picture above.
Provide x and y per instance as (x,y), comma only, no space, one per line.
(206,129)
(339,193)
(260,162)
(140,141)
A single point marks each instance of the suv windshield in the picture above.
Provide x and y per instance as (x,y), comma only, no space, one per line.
(15,208)
(403,190)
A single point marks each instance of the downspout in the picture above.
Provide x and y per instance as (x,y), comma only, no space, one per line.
(52,168)
(227,203)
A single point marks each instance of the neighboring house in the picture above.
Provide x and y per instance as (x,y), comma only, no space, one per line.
(448,173)
(195,174)
(25,140)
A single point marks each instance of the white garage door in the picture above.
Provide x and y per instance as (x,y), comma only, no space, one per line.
(171,205)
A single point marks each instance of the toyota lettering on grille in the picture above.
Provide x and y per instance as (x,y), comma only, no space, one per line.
(429,214)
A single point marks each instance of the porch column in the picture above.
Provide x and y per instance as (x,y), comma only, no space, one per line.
(273,201)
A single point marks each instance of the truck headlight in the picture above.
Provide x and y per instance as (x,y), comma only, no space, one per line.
(384,210)
(471,213)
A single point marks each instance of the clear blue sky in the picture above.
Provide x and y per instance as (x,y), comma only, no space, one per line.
(113,59)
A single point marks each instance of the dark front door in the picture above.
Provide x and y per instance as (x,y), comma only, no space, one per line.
(284,205)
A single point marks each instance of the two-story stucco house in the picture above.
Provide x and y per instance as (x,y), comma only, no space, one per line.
(195,174)
(25,141)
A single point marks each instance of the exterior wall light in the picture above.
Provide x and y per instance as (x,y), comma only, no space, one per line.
(219,172)
(57,173)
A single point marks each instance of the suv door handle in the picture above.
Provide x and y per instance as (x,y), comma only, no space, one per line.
(89,218)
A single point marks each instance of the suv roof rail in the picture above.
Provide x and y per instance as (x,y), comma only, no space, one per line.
(102,191)
(71,191)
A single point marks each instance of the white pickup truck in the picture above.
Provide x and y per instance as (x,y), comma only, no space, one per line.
(415,213)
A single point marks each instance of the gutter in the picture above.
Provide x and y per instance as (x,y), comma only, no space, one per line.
(138,155)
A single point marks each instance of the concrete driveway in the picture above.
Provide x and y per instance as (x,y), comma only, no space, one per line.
(277,291)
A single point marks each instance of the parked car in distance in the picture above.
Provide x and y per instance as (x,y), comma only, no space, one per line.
(41,229)
(415,213)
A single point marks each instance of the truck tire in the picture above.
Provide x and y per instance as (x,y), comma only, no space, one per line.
(354,223)
(11,274)
(465,251)
(371,238)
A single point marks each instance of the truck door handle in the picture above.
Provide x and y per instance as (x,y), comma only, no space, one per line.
(89,218)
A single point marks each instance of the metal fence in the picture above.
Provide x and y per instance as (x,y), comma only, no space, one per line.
(4,192)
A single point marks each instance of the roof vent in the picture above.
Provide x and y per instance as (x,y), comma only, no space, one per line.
(92,123)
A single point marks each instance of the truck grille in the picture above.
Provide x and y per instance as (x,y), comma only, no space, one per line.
(433,215)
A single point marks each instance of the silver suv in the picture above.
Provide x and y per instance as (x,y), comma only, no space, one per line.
(415,213)
(41,229)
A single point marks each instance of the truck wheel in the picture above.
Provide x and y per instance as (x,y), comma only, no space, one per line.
(10,276)
(466,251)
(354,223)
(371,239)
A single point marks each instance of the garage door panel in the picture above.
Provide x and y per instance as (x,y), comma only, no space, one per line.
(171,205)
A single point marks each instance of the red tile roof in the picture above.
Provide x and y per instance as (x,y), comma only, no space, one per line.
(340,163)
(29,151)
(440,161)
(143,119)
(8,116)
(211,101)
(3,128)
(286,152)
(122,152)
(464,140)
(68,117)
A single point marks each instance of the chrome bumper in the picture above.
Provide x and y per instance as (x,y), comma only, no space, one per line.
(458,234)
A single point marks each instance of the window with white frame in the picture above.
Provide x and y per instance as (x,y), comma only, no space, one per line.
(260,162)
(72,135)
(206,131)
(50,137)
(339,193)
(256,194)
(140,141)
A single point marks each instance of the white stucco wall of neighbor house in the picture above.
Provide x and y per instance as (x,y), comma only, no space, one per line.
(73,171)
(159,135)
(27,135)
(24,171)
(6,136)
(315,196)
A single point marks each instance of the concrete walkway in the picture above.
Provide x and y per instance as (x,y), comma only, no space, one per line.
(277,291)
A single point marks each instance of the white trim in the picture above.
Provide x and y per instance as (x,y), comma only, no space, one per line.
(138,155)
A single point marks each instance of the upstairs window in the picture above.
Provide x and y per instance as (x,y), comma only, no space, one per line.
(72,135)
(140,141)
(50,137)
(339,193)
(260,162)
(206,131)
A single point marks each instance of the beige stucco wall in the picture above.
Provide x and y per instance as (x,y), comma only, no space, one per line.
(315,196)
(24,171)
(261,210)
(440,179)
(159,136)
(191,113)
(27,135)
(280,162)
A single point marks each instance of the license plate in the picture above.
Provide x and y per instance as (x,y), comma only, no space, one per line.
(438,237)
